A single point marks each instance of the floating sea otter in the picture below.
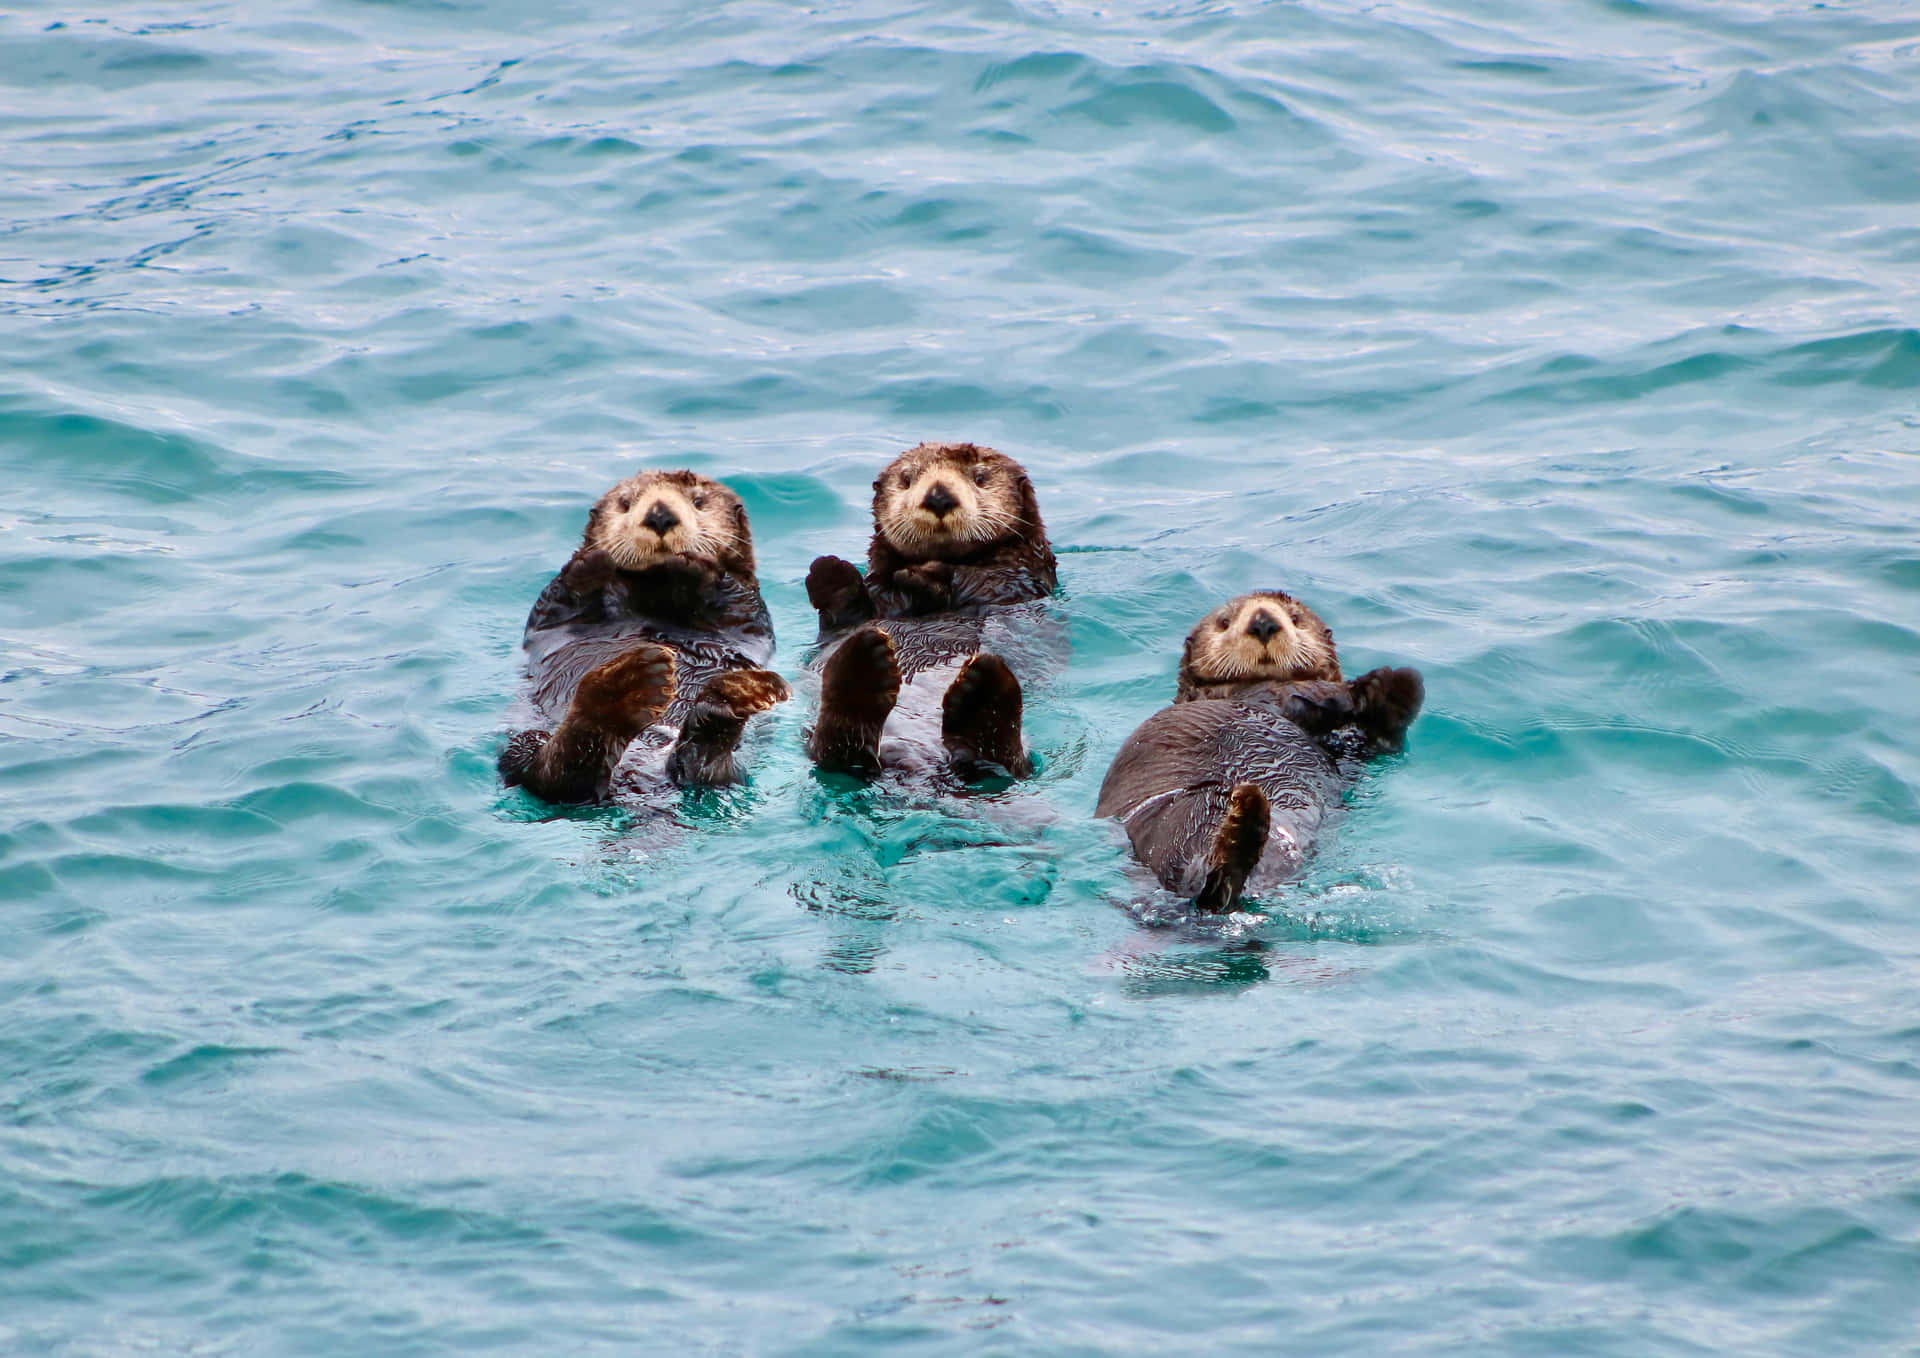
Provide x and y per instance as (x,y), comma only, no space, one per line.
(1231,782)
(655,628)
(908,681)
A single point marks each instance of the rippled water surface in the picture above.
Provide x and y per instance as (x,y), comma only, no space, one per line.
(1567,352)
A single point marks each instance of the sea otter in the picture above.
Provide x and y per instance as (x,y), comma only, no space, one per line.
(655,627)
(907,679)
(1235,778)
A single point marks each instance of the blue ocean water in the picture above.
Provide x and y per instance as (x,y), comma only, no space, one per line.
(1567,352)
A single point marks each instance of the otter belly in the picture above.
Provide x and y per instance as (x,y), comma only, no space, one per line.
(911,739)
(1171,782)
(930,653)
(558,657)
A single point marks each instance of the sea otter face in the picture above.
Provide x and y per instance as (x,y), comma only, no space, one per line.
(943,501)
(1259,638)
(657,516)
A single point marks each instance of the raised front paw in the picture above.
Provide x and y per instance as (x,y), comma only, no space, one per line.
(837,591)
(1385,701)
(590,571)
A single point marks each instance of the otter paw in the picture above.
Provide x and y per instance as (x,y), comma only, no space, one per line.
(929,585)
(1385,701)
(745,692)
(1317,705)
(980,720)
(838,592)
(590,570)
(858,688)
(703,755)
(625,695)
(522,751)
(1236,848)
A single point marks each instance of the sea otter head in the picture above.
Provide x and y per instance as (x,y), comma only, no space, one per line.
(1264,637)
(951,501)
(654,517)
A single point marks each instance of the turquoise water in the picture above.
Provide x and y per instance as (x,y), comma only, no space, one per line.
(1567,352)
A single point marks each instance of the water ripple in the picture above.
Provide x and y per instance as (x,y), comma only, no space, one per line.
(1571,362)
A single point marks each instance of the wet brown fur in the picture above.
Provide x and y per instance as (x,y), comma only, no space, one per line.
(710,528)
(1199,783)
(994,533)
(1224,656)
(665,566)
(956,530)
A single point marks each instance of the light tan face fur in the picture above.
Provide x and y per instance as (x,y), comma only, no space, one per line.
(1261,637)
(941,500)
(655,516)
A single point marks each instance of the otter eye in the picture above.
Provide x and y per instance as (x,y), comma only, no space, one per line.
(979,476)
(700,501)
(905,480)
(625,502)
(1220,626)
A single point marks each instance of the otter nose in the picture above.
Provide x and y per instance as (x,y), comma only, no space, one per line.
(939,500)
(1263,626)
(661,519)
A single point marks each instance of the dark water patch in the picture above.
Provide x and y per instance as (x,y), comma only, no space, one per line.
(1881,358)
(98,60)
(205,1065)
(1513,68)
(1035,66)
(827,308)
(1073,253)
(169,825)
(1146,100)
(1631,385)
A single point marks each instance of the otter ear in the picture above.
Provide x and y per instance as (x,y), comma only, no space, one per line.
(740,557)
(595,517)
(1185,681)
(1029,502)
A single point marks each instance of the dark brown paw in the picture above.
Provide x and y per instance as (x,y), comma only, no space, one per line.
(838,593)
(588,571)
(1385,702)
(858,688)
(625,695)
(1236,848)
(518,758)
(929,585)
(980,720)
(1318,705)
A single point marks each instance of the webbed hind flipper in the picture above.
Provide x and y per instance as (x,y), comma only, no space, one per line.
(703,756)
(614,702)
(858,688)
(980,720)
(1236,849)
